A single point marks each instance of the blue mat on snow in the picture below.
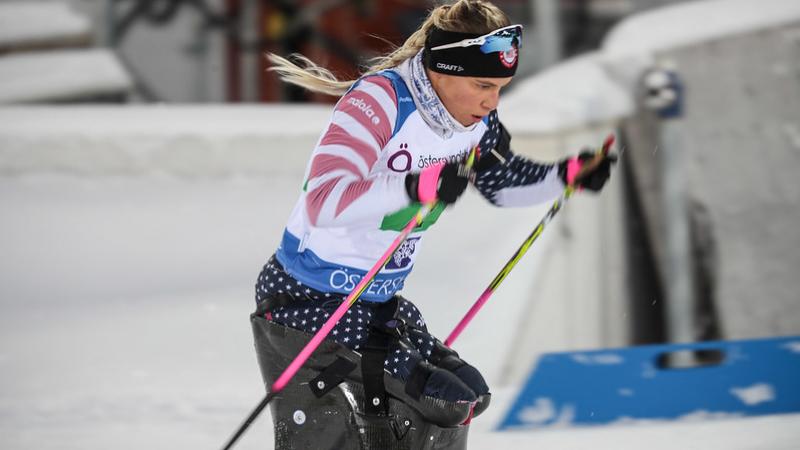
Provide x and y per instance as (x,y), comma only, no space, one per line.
(751,377)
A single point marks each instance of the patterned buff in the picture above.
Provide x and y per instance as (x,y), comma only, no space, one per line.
(428,103)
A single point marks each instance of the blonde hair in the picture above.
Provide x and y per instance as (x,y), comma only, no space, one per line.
(464,16)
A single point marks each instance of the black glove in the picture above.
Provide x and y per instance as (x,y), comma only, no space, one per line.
(444,182)
(571,170)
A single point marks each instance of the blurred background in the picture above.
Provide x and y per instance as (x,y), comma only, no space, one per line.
(148,162)
(212,51)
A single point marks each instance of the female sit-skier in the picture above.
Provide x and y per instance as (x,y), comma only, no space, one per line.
(399,135)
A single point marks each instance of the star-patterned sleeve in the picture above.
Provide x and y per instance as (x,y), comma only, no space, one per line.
(506,179)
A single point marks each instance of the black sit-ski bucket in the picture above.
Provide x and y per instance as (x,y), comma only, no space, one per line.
(312,412)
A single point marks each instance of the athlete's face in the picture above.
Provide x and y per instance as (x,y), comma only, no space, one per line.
(468,99)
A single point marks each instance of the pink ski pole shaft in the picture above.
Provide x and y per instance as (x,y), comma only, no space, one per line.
(473,311)
(317,339)
(306,352)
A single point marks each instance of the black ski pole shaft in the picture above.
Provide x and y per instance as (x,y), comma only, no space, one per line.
(246,424)
(554,209)
(306,352)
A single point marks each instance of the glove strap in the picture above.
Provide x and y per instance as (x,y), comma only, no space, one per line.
(429,183)
(573,167)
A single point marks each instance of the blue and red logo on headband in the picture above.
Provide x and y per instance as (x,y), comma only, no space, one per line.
(494,54)
(509,57)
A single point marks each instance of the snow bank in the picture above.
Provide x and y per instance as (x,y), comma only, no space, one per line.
(26,23)
(600,86)
(631,47)
(135,140)
(61,75)
(696,22)
(573,94)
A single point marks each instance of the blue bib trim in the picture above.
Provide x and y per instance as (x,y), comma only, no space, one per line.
(323,276)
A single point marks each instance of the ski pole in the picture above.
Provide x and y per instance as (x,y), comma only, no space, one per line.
(312,345)
(555,208)
(317,339)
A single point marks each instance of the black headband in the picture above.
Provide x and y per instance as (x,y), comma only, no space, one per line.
(469,61)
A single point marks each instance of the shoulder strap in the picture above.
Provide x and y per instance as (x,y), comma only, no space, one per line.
(405,103)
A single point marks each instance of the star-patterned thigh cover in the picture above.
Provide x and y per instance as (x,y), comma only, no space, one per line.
(311,308)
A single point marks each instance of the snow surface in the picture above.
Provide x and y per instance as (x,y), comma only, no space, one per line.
(58,75)
(30,22)
(125,307)
(141,321)
(125,296)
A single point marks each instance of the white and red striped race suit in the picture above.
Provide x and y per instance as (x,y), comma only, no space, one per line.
(354,201)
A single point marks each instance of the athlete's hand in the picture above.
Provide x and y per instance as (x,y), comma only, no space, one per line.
(444,182)
(589,170)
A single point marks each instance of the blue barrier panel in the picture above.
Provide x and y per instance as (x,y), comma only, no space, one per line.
(749,377)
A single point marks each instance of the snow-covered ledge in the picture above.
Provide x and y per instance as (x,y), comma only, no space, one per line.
(62,76)
(36,24)
(146,139)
